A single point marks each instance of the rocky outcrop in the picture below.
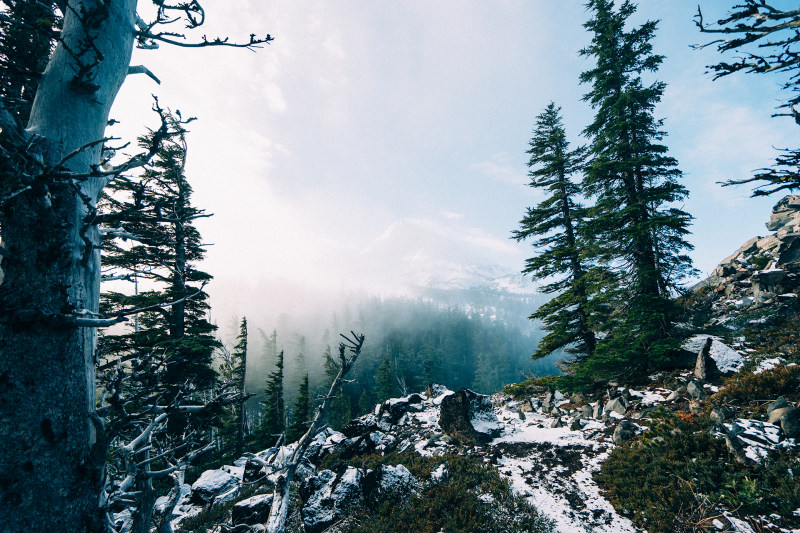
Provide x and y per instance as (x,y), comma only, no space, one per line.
(213,486)
(764,269)
(469,417)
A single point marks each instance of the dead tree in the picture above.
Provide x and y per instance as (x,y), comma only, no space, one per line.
(53,459)
(766,39)
(276,522)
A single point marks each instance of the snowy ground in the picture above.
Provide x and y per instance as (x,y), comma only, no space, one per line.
(553,468)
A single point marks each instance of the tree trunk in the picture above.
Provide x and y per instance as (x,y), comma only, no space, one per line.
(52,461)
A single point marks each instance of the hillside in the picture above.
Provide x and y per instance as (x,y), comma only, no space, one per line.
(707,445)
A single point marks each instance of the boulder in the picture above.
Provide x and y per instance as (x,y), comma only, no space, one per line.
(597,410)
(328,497)
(625,430)
(469,417)
(396,480)
(777,404)
(705,368)
(789,420)
(726,359)
(252,511)
(585,411)
(618,405)
(212,484)
(721,414)
(695,390)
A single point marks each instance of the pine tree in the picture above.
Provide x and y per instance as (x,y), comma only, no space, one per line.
(384,379)
(273,423)
(300,413)
(556,225)
(633,183)
(172,344)
(239,375)
(339,413)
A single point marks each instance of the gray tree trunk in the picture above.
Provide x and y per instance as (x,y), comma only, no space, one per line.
(52,459)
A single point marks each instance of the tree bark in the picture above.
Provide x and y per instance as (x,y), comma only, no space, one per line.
(52,463)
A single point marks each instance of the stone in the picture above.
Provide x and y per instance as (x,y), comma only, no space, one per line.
(211,484)
(577,398)
(585,411)
(597,410)
(617,405)
(396,480)
(547,401)
(329,497)
(775,415)
(625,430)
(789,418)
(695,390)
(677,393)
(469,417)
(251,511)
(557,423)
(576,424)
(777,404)
(721,414)
(705,368)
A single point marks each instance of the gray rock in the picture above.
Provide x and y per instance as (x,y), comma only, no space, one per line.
(547,401)
(674,395)
(721,414)
(212,484)
(618,405)
(597,410)
(777,404)
(329,497)
(252,511)
(576,424)
(469,417)
(577,398)
(558,423)
(585,411)
(705,368)
(789,418)
(625,430)
(776,414)
(695,390)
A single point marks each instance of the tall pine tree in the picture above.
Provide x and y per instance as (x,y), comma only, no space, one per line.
(273,423)
(555,225)
(173,343)
(300,413)
(634,184)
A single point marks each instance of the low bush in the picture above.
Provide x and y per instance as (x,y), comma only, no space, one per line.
(677,477)
(767,385)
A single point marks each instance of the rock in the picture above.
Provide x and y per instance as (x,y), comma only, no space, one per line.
(721,414)
(252,511)
(577,398)
(557,423)
(705,368)
(585,411)
(329,497)
(789,419)
(440,474)
(597,410)
(625,430)
(726,358)
(396,480)
(674,395)
(213,484)
(576,424)
(695,390)
(547,401)
(469,417)
(618,405)
(777,404)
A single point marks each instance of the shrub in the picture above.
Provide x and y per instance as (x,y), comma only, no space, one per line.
(676,476)
(767,385)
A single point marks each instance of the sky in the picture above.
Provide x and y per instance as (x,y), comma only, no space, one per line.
(374,142)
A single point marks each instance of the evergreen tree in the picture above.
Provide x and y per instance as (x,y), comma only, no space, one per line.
(273,422)
(556,225)
(174,343)
(300,413)
(339,412)
(385,381)
(633,182)
(239,375)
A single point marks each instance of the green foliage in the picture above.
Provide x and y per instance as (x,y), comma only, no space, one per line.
(385,380)
(300,413)
(273,422)
(453,505)
(767,385)
(339,411)
(556,225)
(676,476)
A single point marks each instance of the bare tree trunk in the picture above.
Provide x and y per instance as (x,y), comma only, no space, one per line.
(52,462)
(276,523)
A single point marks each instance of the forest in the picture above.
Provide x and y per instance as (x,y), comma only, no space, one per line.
(116,384)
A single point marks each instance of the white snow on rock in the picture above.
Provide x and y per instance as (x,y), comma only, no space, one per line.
(726,358)
(213,483)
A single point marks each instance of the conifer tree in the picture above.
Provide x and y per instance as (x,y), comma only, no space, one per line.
(634,184)
(239,375)
(339,413)
(384,379)
(300,413)
(273,423)
(555,225)
(173,343)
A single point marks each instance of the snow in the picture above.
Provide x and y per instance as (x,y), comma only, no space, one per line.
(726,358)
(768,364)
